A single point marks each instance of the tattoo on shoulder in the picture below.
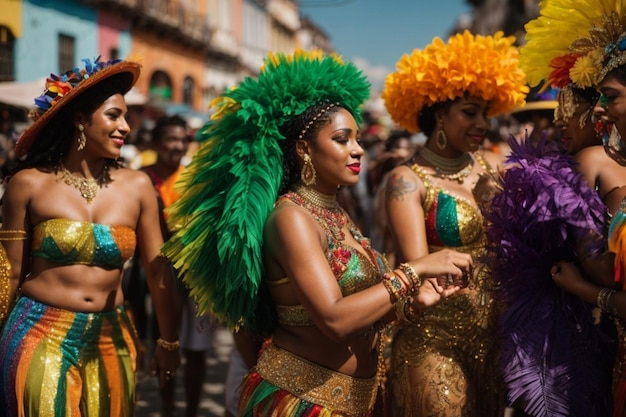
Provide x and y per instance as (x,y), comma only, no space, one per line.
(398,186)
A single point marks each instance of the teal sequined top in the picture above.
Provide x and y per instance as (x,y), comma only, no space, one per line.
(68,242)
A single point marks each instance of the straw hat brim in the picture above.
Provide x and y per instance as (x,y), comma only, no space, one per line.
(523,113)
(124,67)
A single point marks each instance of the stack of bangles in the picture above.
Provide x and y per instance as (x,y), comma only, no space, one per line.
(401,288)
(169,346)
(606,300)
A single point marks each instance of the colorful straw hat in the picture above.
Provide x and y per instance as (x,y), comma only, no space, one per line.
(62,89)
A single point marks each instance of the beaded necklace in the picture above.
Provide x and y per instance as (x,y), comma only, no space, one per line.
(454,169)
(324,208)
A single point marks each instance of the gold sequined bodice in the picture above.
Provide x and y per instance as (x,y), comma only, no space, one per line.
(450,221)
(69,242)
(454,343)
(353,270)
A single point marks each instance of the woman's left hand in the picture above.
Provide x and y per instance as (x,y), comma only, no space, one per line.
(431,293)
(165,364)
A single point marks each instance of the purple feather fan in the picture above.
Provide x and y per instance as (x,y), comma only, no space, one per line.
(555,360)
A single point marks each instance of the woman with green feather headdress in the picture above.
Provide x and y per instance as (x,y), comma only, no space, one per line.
(263,243)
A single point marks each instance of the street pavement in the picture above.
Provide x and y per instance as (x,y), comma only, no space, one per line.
(212,400)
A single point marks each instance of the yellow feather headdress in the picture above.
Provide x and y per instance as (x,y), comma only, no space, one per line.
(574,41)
(482,66)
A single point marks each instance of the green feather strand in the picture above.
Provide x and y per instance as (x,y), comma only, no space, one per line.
(230,187)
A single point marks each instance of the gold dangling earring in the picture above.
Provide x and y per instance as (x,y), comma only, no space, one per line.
(441,139)
(308,171)
(82,140)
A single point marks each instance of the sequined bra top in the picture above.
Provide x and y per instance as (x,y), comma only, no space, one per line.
(454,222)
(353,270)
(451,221)
(69,242)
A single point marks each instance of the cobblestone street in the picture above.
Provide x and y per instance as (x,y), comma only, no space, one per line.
(212,401)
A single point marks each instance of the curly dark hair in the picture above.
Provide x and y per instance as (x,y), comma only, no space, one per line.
(292,129)
(426,119)
(55,139)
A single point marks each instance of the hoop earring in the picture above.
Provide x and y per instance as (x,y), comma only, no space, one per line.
(308,171)
(441,140)
(82,139)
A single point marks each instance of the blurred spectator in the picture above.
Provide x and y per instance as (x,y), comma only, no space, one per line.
(170,141)
(398,149)
(537,116)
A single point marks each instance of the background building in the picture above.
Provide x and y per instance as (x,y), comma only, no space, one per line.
(191,50)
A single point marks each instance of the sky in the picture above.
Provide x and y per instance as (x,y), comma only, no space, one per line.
(374,34)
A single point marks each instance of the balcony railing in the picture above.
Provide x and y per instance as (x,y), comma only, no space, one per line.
(177,19)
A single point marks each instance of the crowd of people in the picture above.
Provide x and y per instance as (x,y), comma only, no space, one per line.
(440,265)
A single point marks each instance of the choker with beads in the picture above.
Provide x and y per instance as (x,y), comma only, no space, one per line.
(455,169)
(324,208)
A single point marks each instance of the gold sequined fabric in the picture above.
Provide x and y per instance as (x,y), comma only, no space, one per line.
(68,242)
(5,285)
(447,363)
(5,272)
(315,384)
(449,220)
(64,363)
(293,315)
(353,270)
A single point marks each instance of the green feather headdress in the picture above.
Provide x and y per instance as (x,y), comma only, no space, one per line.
(230,187)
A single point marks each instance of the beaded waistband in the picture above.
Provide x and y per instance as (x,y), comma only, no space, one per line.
(316,384)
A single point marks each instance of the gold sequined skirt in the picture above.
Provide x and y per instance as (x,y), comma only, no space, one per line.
(447,363)
(316,384)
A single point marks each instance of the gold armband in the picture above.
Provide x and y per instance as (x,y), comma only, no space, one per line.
(6,303)
(12,234)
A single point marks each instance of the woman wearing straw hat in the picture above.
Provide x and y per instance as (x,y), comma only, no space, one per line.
(71,218)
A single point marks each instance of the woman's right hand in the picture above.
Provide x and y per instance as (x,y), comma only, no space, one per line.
(440,272)
(567,276)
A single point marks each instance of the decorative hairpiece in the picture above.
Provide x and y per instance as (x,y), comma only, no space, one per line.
(63,88)
(314,119)
(230,187)
(574,41)
(482,66)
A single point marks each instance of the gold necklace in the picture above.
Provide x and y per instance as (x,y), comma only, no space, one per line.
(328,202)
(88,187)
(454,169)
(324,208)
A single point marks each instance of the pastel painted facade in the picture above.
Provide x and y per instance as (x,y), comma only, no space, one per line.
(191,50)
